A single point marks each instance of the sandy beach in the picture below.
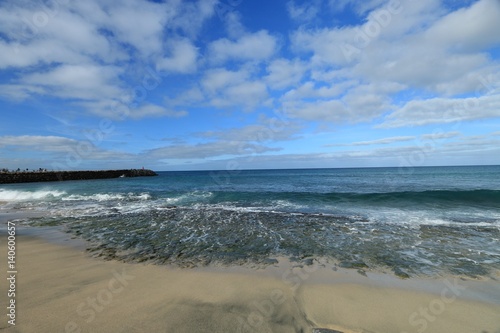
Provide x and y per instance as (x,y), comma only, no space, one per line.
(61,288)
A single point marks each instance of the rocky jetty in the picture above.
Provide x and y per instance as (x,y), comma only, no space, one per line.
(52,176)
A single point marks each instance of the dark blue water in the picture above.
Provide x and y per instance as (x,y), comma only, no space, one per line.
(415,221)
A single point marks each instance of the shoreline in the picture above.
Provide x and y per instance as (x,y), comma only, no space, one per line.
(57,278)
(321,271)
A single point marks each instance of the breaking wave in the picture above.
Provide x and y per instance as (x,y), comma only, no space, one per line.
(15,195)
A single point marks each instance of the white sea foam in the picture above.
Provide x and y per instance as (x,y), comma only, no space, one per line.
(107,197)
(286,205)
(415,219)
(134,208)
(14,195)
(190,197)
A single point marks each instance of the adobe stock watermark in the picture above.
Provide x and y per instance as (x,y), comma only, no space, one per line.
(121,111)
(92,306)
(377,21)
(32,26)
(264,310)
(425,315)
(223,8)
(276,124)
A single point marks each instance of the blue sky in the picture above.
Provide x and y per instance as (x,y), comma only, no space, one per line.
(244,84)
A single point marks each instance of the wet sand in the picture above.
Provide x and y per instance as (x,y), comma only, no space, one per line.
(61,288)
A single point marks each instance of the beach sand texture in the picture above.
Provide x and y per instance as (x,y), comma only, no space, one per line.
(63,289)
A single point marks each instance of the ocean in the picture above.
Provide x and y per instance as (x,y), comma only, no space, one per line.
(425,221)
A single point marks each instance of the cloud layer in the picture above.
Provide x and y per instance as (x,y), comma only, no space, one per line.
(209,71)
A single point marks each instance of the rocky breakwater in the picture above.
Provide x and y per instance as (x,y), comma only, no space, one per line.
(52,176)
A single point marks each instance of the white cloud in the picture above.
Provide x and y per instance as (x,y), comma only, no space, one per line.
(223,88)
(77,81)
(139,23)
(284,73)
(192,96)
(38,143)
(305,12)
(38,52)
(216,79)
(247,95)
(481,149)
(152,110)
(324,44)
(443,45)
(440,135)
(61,35)
(383,141)
(349,45)
(61,152)
(120,110)
(265,131)
(479,33)
(358,104)
(86,52)
(366,105)
(190,15)
(250,47)
(208,150)
(183,58)
(400,48)
(478,151)
(81,36)
(19,92)
(330,111)
(443,110)
(234,28)
(417,67)
(310,90)
(472,144)
(85,31)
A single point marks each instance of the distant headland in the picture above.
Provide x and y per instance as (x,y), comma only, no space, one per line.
(9,177)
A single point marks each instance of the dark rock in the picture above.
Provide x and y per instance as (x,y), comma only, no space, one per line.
(270,261)
(353,264)
(400,273)
(362,272)
(308,261)
(52,176)
(324,330)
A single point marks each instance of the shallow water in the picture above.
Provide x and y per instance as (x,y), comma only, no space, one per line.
(423,221)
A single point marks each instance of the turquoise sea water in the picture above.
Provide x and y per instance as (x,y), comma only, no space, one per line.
(415,221)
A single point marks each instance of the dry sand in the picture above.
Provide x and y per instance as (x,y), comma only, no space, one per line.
(62,289)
